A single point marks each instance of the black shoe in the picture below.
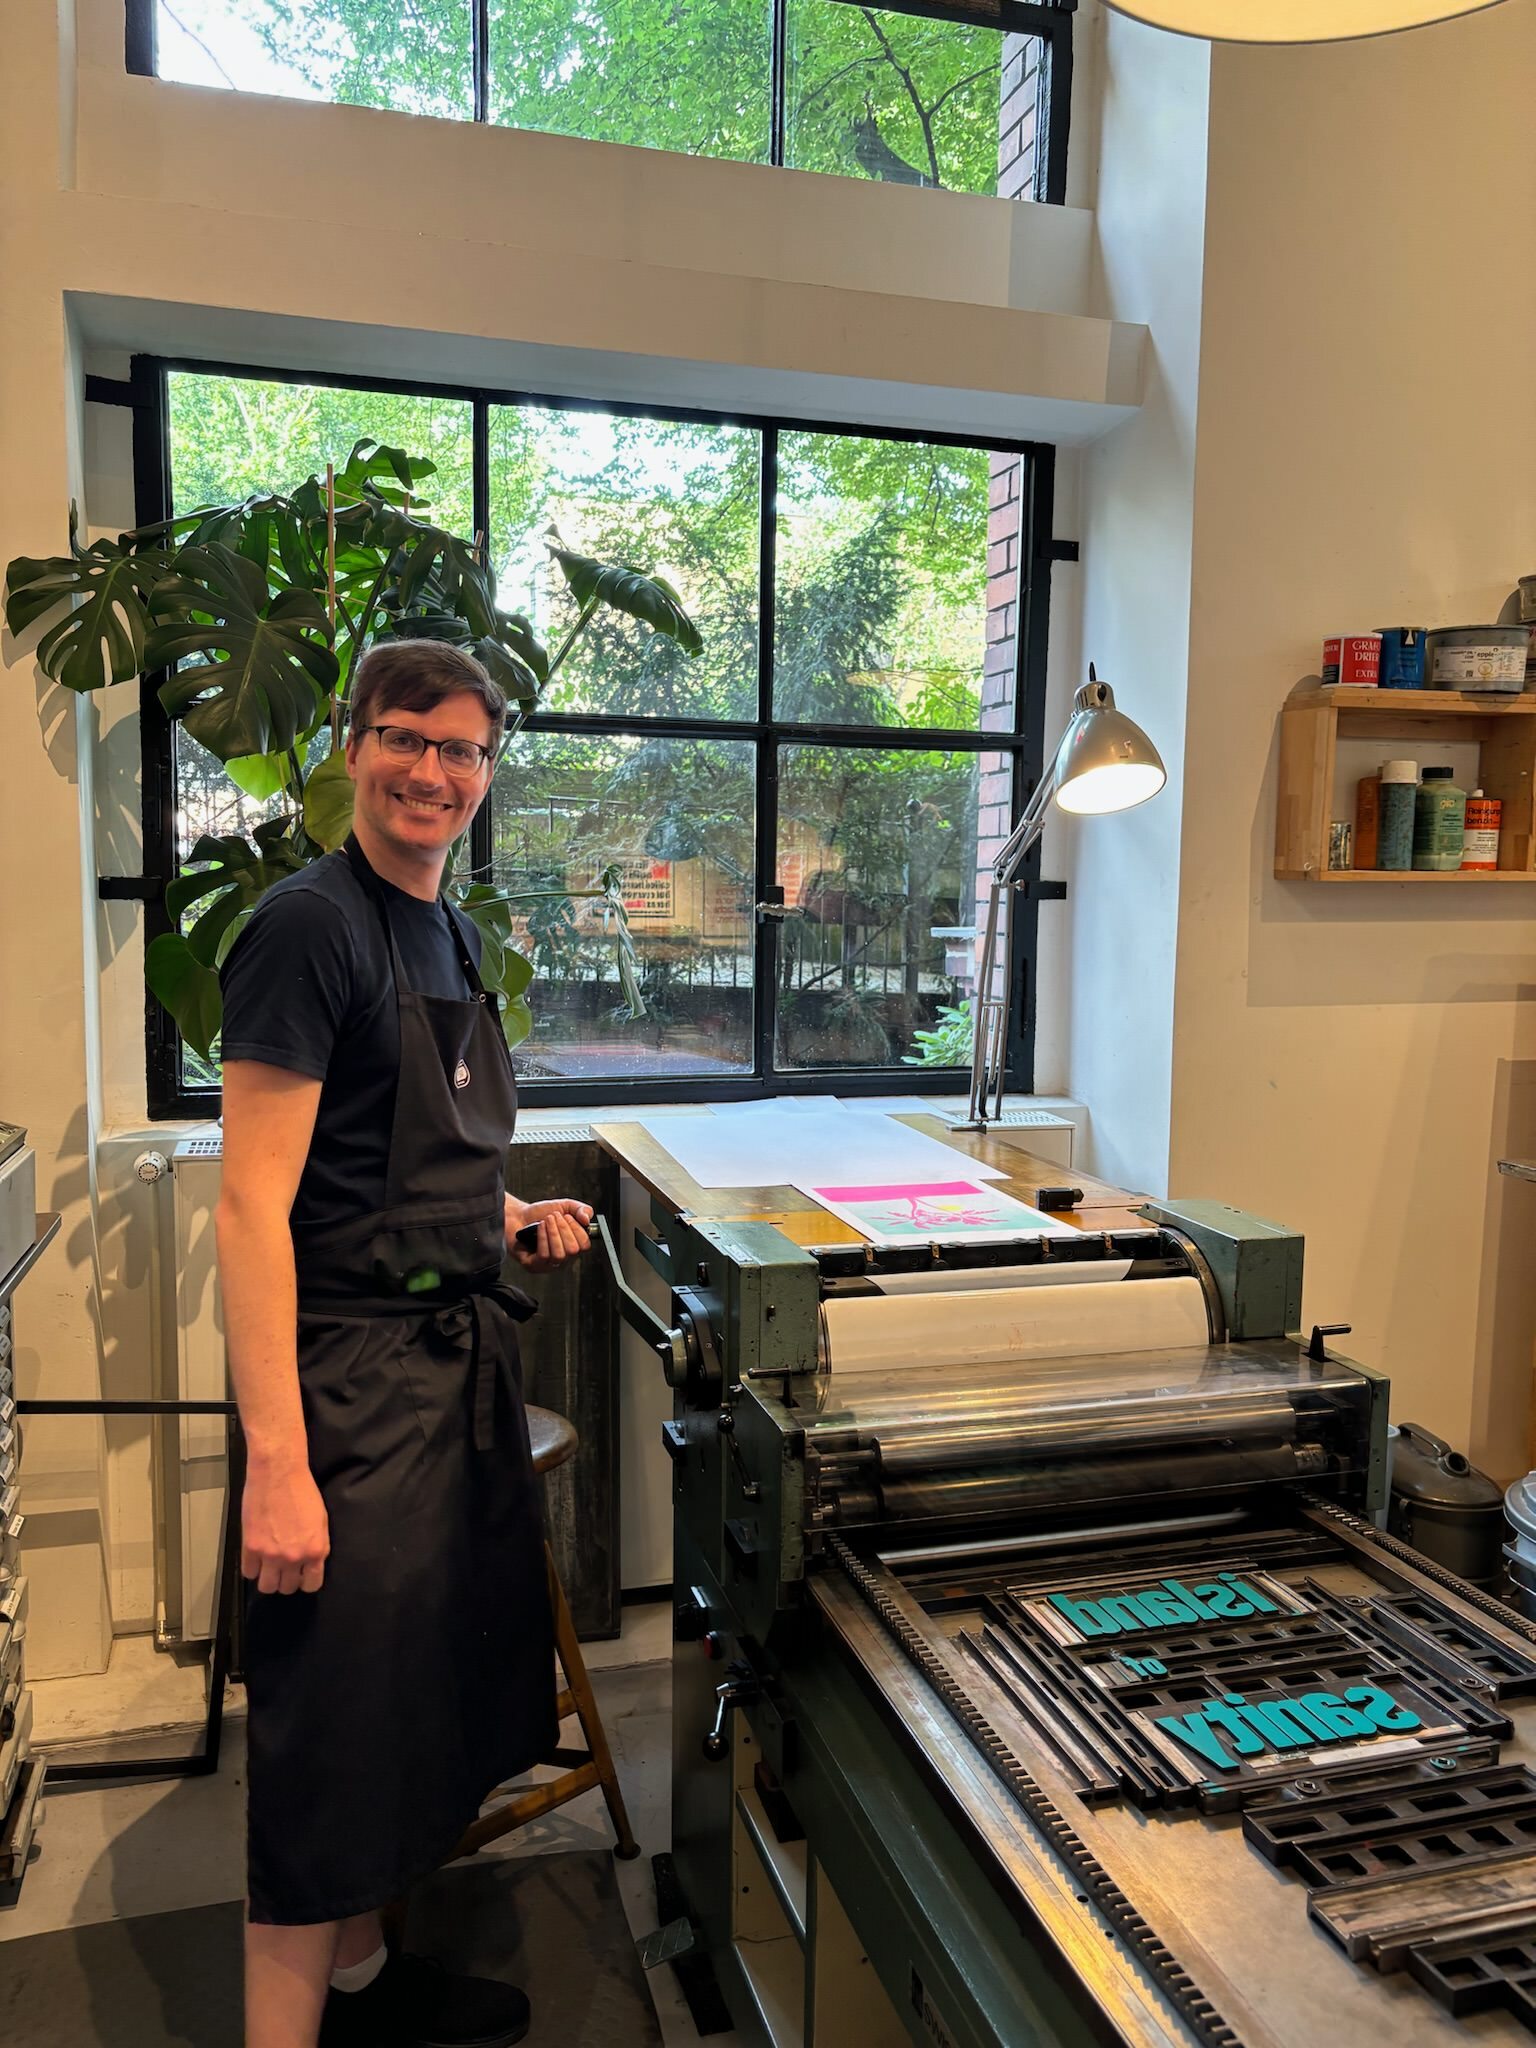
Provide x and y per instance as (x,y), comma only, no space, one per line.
(416,2003)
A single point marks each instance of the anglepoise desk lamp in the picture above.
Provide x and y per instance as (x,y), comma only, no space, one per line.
(1104,762)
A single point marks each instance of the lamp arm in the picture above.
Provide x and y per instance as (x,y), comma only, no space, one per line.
(989,1029)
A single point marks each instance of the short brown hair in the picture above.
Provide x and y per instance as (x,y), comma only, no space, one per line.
(416,675)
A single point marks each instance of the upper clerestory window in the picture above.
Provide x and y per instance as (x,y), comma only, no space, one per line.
(958,97)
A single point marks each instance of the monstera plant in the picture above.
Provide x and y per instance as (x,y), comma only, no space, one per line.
(258,612)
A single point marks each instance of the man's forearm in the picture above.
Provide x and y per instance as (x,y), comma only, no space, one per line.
(256,1276)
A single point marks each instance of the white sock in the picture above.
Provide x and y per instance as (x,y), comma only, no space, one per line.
(358,1976)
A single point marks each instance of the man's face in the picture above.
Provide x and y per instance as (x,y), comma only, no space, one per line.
(418,806)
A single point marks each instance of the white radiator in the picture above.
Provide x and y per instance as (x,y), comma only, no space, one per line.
(194,1497)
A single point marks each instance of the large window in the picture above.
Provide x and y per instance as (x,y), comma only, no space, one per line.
(801,819)
(969,97)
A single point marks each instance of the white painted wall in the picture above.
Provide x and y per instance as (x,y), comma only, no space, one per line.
(1137,511)
(1354,1062)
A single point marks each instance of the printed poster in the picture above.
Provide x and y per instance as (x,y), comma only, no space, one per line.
(921,1212)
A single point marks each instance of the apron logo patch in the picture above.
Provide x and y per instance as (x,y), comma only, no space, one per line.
(461,1075)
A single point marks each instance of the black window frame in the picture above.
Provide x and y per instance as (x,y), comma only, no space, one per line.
(1050,20)
(146,391)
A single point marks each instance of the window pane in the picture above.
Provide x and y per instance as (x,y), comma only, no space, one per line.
(415,58)
(877,848)
(231,437)
(675,500)
(885,614)
(914,102)
(676,817)
(685,75)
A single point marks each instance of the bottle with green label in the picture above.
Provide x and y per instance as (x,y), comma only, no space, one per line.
(1439,823)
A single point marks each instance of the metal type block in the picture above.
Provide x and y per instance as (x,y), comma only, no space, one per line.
(1092,1775)
(1247,1776)
(1138,1760)
(1125,1607)
(1341,1839)
(1512,1670)
(1472,1702)
(1466,1977)
(1382,1919)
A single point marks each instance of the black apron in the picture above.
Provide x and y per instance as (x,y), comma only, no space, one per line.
(387,1706)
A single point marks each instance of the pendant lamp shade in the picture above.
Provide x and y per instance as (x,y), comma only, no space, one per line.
(1293,21)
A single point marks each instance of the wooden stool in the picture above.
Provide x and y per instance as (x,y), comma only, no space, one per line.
(553,1440)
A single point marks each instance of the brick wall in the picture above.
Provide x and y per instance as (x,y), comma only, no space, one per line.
(1017,159)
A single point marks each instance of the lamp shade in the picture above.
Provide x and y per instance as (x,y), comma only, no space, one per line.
(1105,761)
(1293,21)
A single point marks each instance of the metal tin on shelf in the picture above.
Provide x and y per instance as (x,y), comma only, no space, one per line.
(1479,658)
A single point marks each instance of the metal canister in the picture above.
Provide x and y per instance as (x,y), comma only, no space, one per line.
(1443,1506)
(1340,840)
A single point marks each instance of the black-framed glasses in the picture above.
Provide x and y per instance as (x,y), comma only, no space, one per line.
(404,743)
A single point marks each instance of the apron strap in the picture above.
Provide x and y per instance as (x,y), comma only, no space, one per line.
(369,876)
(485,1351)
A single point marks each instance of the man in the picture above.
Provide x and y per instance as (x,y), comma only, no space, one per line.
(399,1651)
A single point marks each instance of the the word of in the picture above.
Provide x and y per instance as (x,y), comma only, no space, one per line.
(1260,1727)
(1170,1604)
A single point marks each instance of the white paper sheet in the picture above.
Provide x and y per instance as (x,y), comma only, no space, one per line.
(761,1145)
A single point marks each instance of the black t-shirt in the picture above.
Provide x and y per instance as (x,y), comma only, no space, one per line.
(307,987)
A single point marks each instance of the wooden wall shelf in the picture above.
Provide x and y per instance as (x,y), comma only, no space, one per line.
(1316,718)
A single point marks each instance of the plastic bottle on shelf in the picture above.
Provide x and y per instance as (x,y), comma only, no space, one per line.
(1367,820)
(1480,846)
(1439,823)
(1395,808)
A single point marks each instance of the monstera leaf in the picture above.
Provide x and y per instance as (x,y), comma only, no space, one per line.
(268,670)
(108,587)
(502,967)
(328,802)
(187,988)
(372,460)
(181,968)
(648,598)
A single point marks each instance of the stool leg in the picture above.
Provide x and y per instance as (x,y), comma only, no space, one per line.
(580,1687)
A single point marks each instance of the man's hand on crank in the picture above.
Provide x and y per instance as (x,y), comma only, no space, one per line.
(561,1227)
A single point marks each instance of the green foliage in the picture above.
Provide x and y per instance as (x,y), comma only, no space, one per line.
(869,93)
(100,638)
(949,1043)
(905,100)
(234,599)
(638,596)
(328,802)
(266,672)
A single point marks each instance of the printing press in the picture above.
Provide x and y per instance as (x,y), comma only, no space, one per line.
(1041,1674)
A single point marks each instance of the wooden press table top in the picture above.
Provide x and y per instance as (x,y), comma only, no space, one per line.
(805,1222)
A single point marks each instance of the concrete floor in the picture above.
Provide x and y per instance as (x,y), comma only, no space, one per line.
(120,1851)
